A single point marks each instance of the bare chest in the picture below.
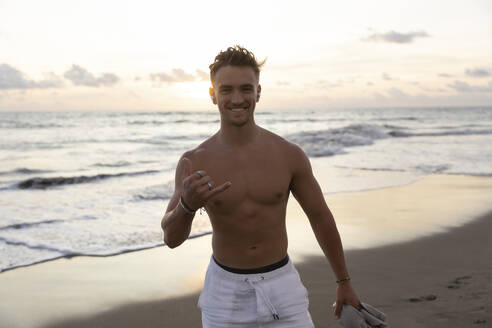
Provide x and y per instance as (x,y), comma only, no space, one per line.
(258,179)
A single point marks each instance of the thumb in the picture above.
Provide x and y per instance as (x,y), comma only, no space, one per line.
(187,166)
(338,309)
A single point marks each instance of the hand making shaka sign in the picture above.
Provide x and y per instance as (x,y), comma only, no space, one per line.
(197,187)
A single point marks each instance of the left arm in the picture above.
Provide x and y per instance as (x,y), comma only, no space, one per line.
(308,193)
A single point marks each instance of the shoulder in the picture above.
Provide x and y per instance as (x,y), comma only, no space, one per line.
(279,141)
(199,154)
(299,161)
(293,154)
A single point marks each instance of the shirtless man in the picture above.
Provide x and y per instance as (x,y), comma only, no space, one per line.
(243,176)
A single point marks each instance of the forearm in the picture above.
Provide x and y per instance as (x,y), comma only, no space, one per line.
(176,225)
(327,235)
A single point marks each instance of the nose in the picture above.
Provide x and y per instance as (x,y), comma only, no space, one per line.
(237,97)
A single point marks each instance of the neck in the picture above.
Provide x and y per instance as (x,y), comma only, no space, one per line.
(235,136)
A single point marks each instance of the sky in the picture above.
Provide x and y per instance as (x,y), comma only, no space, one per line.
(65,55)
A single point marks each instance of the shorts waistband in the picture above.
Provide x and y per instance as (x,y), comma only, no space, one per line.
(263,269)
(252,276)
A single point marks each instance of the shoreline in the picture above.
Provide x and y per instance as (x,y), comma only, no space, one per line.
(320,174)
(158,286)
(75,255)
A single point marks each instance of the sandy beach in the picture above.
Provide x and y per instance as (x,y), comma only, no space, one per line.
(420,253)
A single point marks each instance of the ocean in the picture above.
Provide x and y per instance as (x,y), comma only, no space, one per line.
(98,183)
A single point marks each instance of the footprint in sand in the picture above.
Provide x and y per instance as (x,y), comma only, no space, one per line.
(429,297)
(479,321)
(458,282)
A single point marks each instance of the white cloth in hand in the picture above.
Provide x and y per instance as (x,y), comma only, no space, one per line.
(367,317)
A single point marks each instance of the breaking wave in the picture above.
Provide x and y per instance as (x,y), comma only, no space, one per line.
(45,183)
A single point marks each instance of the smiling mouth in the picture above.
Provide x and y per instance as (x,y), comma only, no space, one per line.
(236,110)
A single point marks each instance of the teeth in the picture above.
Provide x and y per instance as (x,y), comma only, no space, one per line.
(237,109)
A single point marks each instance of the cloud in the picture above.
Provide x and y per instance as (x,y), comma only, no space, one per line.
(80,76)
(477,72)
(432,89)
(161,77)
(465,87)
(178,75)
(204,76)
(444,75)
(181,76)
(396,37)
(12,78)
(396,93)
(386,77)
(108,79)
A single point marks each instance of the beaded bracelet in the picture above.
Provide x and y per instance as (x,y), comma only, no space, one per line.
(185,207)
(343,279)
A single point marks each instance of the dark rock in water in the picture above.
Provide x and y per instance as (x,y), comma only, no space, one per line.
(414,300)
(479,321)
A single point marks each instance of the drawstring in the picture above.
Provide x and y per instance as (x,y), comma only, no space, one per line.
(264,296)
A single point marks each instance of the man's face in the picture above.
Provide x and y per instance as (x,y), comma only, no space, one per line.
(235,92)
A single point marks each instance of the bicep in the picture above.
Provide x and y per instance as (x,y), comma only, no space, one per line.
(305,188)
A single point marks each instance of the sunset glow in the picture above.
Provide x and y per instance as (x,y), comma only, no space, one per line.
(65,55)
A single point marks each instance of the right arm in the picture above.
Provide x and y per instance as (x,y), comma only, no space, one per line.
(176,223)
(195,192)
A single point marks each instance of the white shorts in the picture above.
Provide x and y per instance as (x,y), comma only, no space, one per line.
(273,299)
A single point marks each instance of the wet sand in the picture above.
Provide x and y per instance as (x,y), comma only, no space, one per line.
(440,277)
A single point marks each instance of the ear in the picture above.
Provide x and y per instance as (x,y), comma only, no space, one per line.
(211,92)
(258,93)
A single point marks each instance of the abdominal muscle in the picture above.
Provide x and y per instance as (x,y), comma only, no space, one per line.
(250,241)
